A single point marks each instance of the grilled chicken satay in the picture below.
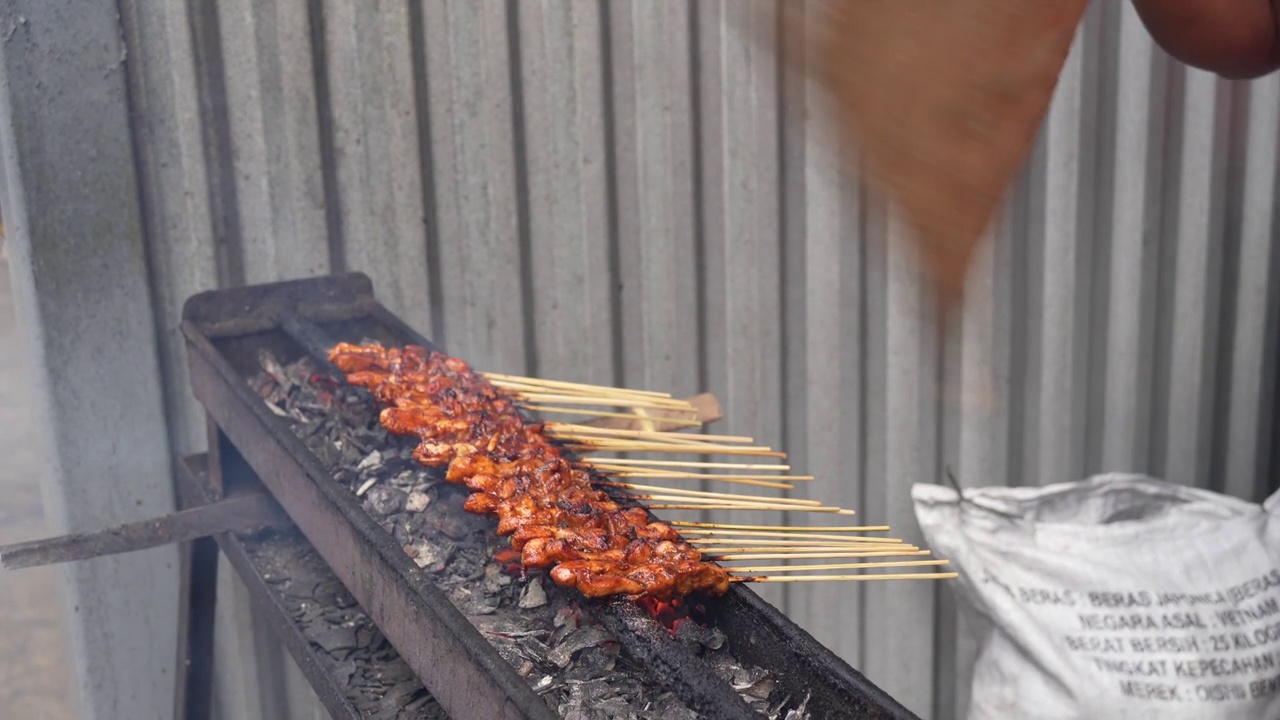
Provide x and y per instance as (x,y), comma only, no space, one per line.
(555,516)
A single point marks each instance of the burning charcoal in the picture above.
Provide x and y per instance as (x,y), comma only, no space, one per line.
(470,603)
(746,677)
(262,384)
(422,706)
(593,662)
(509,649)
(494,579)
(315,405)
(562,654)
(430,556)
(385,500)
(417,501)
(300,371)
(533,623)
(592,699)
(567,617)
(271,366)
(344,670)
(534,596)
(760,690)
(395,697)
(544,684)
(801,712)
(372,461)
(614,708)
(416,524)
(534,648)
(696,634)
(336,638)
(669,707)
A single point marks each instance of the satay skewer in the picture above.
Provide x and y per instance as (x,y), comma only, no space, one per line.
(605,413)
(747,506)
(471,421)
(627,471)
(734,497)
(838,566)
(593,446)
(572,430)
(803,551)
(746,502)
(609,468)
(570,399)
(734,556)
(838,578)
(695,535)
(498,377)
(728,479)
(792,543)
(693,446)
(798,528)
(695,464)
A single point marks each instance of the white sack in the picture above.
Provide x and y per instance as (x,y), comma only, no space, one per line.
(1116,597)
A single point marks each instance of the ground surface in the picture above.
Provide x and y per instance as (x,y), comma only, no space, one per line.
(33,644)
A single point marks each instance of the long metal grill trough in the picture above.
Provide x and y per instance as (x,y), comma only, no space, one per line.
(485,643)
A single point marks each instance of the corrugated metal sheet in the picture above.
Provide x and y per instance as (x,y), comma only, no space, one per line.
(628,192)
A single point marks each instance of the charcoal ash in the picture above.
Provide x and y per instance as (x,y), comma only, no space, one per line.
(566,655)
(347,642)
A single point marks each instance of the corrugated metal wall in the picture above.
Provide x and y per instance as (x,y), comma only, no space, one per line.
(629,192)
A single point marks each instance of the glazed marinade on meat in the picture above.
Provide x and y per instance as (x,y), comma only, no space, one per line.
(554,516)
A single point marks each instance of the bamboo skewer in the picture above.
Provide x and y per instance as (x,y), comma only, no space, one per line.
(718,542)
(735,556)
(516,386)
(608,401)
(834,578)
(750,502)
(637,471)
(802,551)
(784,543)
(698,536)
(694,463)
(633,471)
(608,414)
(724,542)
(747,506)
(838,566)
(732,480)
(593,446)
(807,549)
(499,377)
(679,441)
(571,429)
(715,495)
(830,528)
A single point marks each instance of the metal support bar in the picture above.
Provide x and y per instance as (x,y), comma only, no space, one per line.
(235,513)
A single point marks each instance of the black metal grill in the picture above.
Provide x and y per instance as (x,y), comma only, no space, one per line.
(226,329)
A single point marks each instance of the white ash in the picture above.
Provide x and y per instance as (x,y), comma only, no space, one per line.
(417,501)
(374,678)
(571,660)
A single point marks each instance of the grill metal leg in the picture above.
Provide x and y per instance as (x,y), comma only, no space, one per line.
(202,588)
(194,692)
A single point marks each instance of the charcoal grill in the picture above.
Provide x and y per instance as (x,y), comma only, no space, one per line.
(225,331)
